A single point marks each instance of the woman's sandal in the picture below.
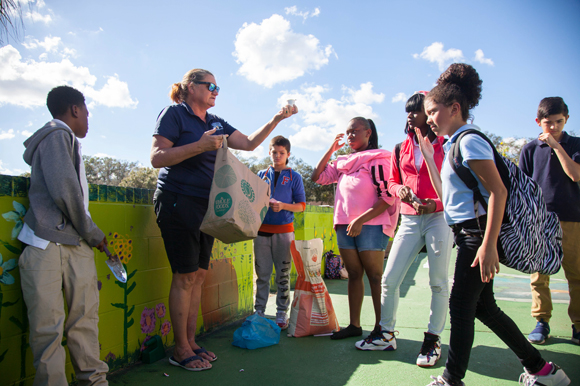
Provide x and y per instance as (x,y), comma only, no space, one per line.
(201,350)
(184,362)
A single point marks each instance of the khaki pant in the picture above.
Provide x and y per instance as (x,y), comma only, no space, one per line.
(44,274)
(541,296)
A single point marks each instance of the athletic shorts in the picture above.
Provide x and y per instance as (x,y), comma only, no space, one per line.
(179,218)
(371,238)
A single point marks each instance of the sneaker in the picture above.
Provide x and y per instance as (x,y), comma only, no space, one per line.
(282,319)
(557,377)
(346,332)
(540,333)
(440,381)
(260,313)
(430,351)
(378,340)
(575,335)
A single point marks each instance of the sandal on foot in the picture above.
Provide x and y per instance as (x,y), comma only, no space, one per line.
(183,363)
(347,332)
(201,350)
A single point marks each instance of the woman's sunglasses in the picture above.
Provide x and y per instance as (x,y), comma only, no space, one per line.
(210,86)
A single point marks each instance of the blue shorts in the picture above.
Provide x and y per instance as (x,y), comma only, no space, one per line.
(371,238)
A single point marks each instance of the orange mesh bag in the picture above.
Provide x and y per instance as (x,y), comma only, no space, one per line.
(311,312)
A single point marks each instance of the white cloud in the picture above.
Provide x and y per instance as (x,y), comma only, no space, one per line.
(271,53)
(400,97)
(9,172)
(25,133)
(479,57)
(7,134)
(293,10)
(435,54)
(32,14)
(36,16)
(103,155)
(26,82)
(113,94)
(50,44)
(322,118)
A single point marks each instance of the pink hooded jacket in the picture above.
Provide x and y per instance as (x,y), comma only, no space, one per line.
(419,182)
(362,180)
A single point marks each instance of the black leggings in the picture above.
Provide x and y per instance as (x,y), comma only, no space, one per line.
(471,298)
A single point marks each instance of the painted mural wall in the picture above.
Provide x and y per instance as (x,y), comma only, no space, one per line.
(132,313)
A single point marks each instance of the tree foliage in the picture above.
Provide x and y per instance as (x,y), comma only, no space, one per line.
(10,19)
(510,148)
(107,170)
(141,177)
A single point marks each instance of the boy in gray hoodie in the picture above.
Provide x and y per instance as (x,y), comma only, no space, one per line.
(60,235)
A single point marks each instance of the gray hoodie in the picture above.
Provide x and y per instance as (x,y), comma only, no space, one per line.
(57,211)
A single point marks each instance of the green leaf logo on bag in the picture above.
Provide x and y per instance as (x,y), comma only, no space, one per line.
(248,191)
(225,176)
(263,213)
(223,203)
(246,212)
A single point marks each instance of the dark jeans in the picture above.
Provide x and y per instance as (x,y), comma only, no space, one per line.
(471,298)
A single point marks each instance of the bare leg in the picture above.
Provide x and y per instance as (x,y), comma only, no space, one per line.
(181,298)
(372,261)
(194,311)
(356,288)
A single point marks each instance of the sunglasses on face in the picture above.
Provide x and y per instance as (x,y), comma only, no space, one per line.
(210,86)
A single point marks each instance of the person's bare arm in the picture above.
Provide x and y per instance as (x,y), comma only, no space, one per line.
(164,154)
(487,256)
(429,155)
(249,142)
(571,168)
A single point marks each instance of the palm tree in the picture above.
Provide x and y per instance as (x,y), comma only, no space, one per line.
(10,19)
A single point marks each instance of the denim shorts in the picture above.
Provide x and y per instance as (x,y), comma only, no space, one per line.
(371,238)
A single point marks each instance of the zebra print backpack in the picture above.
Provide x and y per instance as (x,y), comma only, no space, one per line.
(530,236)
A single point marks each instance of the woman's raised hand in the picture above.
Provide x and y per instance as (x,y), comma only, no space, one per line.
(285,112)
(425,145)
(336,144)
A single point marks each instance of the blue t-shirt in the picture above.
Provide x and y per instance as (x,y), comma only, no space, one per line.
(193,176)
(457,198)
(289,188)
(540,162)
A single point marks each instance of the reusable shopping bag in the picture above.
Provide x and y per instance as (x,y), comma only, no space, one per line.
(311,312)
(256,332)
(238,200)
(530,236)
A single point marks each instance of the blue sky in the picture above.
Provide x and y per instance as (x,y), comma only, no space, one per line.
(338,59)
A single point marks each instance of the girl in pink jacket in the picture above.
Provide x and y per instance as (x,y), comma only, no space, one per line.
(365,213)
(422,224)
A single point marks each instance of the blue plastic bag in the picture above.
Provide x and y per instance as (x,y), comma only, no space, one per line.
(256,332)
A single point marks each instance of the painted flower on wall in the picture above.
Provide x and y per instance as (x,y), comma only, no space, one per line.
(122,247)
(147,320)
(165,328)
(160,310)
(16,215)
(9,265)
(110,357)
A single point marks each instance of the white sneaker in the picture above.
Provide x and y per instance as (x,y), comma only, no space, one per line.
(557,377)
(378,340)
(440,381)
(430,351)
(282,319)
(260,313)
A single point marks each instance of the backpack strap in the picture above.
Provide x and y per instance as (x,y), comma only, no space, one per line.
(398,158)
(466,175)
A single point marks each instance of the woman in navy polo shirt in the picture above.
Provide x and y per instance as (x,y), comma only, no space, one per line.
(185,141)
